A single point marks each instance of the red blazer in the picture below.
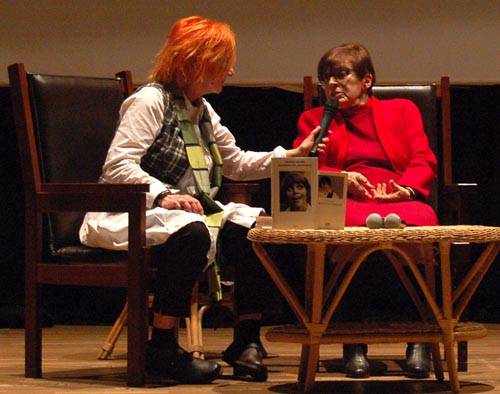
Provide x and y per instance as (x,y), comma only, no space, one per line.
(398,124)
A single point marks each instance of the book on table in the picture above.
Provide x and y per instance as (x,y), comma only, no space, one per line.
(304,198)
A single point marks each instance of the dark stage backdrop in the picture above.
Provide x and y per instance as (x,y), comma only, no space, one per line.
(476,157)
(260,118)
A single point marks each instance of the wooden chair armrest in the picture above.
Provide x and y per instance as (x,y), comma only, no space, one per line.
(95,187)
(461,203)
(96,197)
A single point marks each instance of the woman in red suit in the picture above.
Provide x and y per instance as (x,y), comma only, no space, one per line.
(383,148)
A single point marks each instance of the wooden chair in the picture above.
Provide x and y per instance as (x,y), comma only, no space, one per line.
(64,126)
(452,201)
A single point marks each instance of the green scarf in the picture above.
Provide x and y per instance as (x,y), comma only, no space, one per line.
(206,186)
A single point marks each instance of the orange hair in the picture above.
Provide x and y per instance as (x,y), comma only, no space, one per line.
(195,49)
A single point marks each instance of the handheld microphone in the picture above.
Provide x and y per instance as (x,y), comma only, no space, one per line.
(329,111)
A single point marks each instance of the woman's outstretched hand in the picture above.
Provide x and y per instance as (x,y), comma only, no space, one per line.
(359,187)
(398,192)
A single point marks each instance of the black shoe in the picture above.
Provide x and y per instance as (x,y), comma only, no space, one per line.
(418,360)
(179,365)
(355,361)
(246,360)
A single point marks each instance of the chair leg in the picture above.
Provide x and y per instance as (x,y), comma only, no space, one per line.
(32,298)
(33,333)
(109,343)
(137,332)
(194,326)
(194,323)
(193,329)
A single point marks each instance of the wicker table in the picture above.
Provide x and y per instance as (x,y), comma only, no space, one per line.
(357,243)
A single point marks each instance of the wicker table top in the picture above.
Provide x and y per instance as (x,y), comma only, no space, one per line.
(364,235)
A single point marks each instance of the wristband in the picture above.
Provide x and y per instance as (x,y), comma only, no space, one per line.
(412,192)
(159,197)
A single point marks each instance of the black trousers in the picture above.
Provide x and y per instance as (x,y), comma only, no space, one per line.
(253,286)
(182,258)
(180,261)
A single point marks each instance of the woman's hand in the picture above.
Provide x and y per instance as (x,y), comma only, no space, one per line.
(305,147)
(359,186)
(398,192)
(183,202)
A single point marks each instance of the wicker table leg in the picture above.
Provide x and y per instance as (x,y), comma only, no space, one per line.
(314,282)
(448,322)
(308,364)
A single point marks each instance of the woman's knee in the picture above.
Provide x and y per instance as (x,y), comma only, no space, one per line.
(234,236)
(185,251)
(196,235)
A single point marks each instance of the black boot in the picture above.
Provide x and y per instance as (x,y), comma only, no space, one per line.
(355,361)
(175,363)
(245,354)
(418,360)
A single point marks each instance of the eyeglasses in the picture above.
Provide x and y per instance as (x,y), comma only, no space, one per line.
(339,75)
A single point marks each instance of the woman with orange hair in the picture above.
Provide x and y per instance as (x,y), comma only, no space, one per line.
(171,138)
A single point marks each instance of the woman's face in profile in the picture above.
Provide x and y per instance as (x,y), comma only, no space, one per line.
(212,84)
(296,195)
(344,84)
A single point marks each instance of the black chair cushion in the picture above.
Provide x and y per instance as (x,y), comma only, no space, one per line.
(75,120)
(424,96)
(82,253)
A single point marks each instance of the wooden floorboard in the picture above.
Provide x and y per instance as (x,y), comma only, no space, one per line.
(70,364)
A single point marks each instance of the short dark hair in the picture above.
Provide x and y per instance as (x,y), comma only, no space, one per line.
(325,180)
(355,54)
(291,178)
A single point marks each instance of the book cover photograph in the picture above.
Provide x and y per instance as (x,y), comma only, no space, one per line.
(294,189)
(305,198)
(332,195)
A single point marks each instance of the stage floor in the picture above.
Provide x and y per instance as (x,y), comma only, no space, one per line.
(70,364)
